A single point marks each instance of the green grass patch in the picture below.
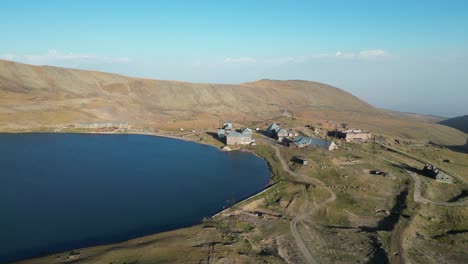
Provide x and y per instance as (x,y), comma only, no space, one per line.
(268,153)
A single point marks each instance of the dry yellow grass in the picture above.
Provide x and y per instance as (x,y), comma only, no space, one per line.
(34,96)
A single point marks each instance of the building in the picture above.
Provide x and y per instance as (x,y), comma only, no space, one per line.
(436,174)
(301,142)
(357,136)
(292,133)
(227,125)
(352,135)
(236,138)
(281,133)
(300,160)
(277,132)
(221,133)
(442,177)
(247,131)
(224,130)
(272,129)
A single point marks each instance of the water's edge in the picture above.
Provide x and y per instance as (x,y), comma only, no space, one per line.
(248,198)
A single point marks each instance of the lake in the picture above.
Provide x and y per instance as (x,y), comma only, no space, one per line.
(65,191)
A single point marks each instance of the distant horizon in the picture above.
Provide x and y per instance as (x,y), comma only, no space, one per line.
(405,56)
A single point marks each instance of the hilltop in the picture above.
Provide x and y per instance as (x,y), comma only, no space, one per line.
(460,123)
(42,96)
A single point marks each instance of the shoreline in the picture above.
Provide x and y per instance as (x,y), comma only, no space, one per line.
(119,133)
(264,189)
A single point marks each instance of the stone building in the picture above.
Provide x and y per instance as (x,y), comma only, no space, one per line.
(224,130)
(236,138)
(301,142)
(275,131)
(352,135)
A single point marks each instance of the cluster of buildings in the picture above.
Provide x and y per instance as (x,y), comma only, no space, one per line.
(352,135)
(275,131)
(232,137)
(292,139)
(289,137)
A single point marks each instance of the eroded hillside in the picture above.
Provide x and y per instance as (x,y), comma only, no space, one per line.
(42,96)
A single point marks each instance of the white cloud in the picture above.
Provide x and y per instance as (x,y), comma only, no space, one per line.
(287,60)
(269,61)
(57,58)
(345,55)
(243,60)
(364,54)
(372,53)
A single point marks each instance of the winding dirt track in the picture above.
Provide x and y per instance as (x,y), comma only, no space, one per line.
(420,199)
(417,197)
(304,212)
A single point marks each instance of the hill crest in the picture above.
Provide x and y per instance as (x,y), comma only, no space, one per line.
(44,96)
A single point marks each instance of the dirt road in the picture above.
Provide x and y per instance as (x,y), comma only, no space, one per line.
(417,197)
(304,212)
(420,199)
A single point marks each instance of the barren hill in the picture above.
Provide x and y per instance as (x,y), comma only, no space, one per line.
(41,96)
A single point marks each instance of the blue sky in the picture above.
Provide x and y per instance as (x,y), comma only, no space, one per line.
(403,55)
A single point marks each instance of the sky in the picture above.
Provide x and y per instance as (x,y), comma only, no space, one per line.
(410,56)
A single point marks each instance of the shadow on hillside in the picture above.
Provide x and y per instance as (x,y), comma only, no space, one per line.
(461,149)
(456,148)
(388,223)
(458,197)
(412,169)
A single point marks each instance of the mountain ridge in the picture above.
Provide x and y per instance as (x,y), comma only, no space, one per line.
(43,96)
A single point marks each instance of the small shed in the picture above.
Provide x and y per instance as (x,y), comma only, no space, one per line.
(221,133)
(300,160)
(281,133)
(292,133)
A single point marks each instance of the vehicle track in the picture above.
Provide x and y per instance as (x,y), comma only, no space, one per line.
(417,197)
(303,211)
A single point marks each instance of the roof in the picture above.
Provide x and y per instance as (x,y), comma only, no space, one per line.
(281,131)
(310,141)
(227,125)
(355,131)
(237,134)
(246,131)
(273,127)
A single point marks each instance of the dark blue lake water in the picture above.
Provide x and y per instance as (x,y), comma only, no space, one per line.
(64,191)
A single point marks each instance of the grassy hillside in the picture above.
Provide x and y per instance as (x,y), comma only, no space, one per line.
(32,97)
(460,123)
